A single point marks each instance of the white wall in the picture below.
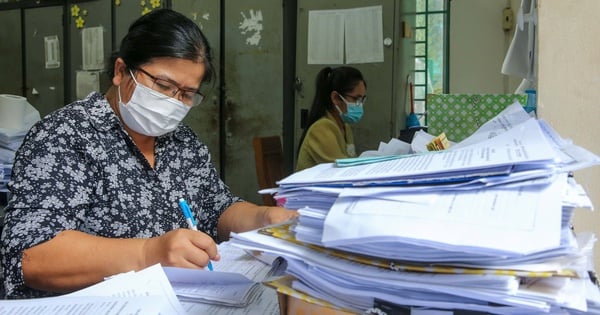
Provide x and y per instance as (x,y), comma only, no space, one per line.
(568,87)
(478,45)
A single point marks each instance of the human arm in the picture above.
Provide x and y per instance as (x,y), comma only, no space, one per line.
(73,259)
(69,176)
(244,216)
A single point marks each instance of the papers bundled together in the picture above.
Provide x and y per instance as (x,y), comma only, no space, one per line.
(483,226)
(16,117)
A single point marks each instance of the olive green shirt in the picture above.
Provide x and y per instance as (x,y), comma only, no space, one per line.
(325,142)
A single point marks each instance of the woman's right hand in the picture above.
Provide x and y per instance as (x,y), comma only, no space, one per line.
(181,248)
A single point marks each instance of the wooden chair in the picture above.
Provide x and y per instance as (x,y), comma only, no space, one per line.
(268,155)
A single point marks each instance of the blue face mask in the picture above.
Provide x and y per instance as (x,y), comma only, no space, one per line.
(354,112)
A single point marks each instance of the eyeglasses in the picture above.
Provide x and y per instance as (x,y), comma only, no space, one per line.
(356,99)
(170,89)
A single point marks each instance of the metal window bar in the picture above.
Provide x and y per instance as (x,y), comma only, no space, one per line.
(426,27)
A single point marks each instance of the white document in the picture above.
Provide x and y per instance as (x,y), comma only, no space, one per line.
(325,37)
(393,147)
(519,221)
(90,305)
(509,117)
(333,32)
(92,48)
(524,143)
(364,35)
(52,52)
(145,292)
(151,281)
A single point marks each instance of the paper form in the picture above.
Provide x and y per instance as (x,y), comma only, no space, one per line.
(325,37)
(151,281)
(366,24)
(92,48)
(505,120)
(512,221)
(91,305)
(145,292)
(333,32)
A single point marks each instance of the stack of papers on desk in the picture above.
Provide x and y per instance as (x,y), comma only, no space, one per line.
(5,171)
(484,226)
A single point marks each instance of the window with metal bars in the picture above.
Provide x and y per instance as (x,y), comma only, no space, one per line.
(431,53)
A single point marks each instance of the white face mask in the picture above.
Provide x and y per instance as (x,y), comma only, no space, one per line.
(151,113)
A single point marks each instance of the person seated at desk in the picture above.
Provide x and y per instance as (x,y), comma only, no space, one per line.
(337,104)
(96,184)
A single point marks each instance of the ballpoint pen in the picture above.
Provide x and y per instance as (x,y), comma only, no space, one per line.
(189,218)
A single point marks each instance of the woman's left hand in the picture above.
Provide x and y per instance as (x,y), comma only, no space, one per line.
(273,215)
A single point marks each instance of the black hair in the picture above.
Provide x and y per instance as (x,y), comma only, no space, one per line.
(163,33)
(341,79)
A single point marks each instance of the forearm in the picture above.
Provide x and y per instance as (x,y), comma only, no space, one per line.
(73,260)
(246,216)
(240,217)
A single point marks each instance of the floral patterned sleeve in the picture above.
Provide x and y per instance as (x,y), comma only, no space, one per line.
(50,190)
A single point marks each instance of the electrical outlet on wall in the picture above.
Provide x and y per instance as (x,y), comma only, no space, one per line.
(507,19)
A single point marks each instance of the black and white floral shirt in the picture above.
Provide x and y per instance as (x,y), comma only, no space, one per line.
(79,170)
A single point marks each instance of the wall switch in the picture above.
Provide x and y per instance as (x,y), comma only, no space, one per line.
(507,19)
(406,30)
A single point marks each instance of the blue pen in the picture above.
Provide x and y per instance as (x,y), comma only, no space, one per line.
(189,218)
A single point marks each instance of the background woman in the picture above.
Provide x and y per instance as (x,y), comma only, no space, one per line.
(338,103)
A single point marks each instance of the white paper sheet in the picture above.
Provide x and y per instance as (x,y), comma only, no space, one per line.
(145,292)
(357,32)
(325,37)
(364,35)
(524,143)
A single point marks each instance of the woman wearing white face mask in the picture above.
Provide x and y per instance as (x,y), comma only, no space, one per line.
(96,184)
(338,104)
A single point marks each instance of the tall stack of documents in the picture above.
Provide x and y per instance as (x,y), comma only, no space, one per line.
(484,226)
(10,141)
(16,117)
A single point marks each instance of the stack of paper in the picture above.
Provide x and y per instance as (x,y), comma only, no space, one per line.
(12,131)
(483,226)
(5,171)
(10,141)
